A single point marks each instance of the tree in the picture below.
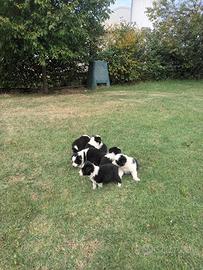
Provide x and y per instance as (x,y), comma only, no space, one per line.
(122,47)
(177,37)
(50,29)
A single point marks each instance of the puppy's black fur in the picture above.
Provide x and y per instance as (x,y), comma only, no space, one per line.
(104,148)
(109,158)
(93,155)
(106,173)
(97,139)
(105,160)
(115,150)
(121,161)
(80,143)
(87,169)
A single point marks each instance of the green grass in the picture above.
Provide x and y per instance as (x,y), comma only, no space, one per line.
(50,216)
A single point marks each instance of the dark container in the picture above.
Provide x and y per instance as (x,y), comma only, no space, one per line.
(98,74)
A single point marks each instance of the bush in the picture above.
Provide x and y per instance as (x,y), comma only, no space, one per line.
(173,49)
(27,74)
(123,49)
(177,37)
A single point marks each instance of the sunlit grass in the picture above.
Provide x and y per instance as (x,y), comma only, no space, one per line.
(52,219)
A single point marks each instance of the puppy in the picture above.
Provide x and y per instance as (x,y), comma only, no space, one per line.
(96,141)
(128,165)
(102,174)
(110,157)
(89,154)
(80,143)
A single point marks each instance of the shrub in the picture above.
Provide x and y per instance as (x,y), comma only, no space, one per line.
(172,49)
(123,49)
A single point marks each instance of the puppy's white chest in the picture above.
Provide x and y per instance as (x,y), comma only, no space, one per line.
(125,169)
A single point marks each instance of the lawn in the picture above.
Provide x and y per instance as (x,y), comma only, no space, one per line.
(50,216)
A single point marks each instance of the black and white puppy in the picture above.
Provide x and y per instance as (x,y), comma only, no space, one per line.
(110,157)
(100,175)
(80,143)
(127,164)
(96,141)
(89,154)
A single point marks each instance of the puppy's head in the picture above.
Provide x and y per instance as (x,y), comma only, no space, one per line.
(96,141)
(120,160)
(75,149)
(76,160)
(87,169)
(115,150)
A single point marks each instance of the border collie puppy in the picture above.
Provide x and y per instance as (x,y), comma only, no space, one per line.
(89,154)
(110,157)
(100,175)
(127,164)
(80,143)
(96,141)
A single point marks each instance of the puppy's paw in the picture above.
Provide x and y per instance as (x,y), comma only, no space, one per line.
(137,179)
(119,185)
(94,186)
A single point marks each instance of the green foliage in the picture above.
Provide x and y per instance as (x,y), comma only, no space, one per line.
(123,49)
(54,41)
(172,49)
(43,31)
(178,35)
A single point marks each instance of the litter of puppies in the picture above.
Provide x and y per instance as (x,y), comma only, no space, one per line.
(100,164)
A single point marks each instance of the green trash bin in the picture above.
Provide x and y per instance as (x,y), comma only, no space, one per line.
(98,74)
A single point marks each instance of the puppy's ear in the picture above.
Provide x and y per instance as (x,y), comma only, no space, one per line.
(88,167)
(121,161)
(115,150)
(97,139)
(75,149)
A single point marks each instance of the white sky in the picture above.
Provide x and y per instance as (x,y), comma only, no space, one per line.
(122,3)
(126,3)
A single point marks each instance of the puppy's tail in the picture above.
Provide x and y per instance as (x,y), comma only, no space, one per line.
(137,163)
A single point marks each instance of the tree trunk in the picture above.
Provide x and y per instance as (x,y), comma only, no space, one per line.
(44,79)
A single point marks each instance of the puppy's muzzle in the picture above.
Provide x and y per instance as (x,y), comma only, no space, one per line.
(74,165)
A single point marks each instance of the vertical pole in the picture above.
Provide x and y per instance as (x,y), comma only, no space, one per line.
(131,11)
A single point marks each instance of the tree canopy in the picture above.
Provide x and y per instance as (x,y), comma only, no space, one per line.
(178,34)
(43,30)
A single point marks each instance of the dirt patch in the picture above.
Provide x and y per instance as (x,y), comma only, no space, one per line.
(34,196)
(119,93)
(14,179)
(161,94)
(61,112)
(87,249)
(40,226)
(90,247)
(154,187)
